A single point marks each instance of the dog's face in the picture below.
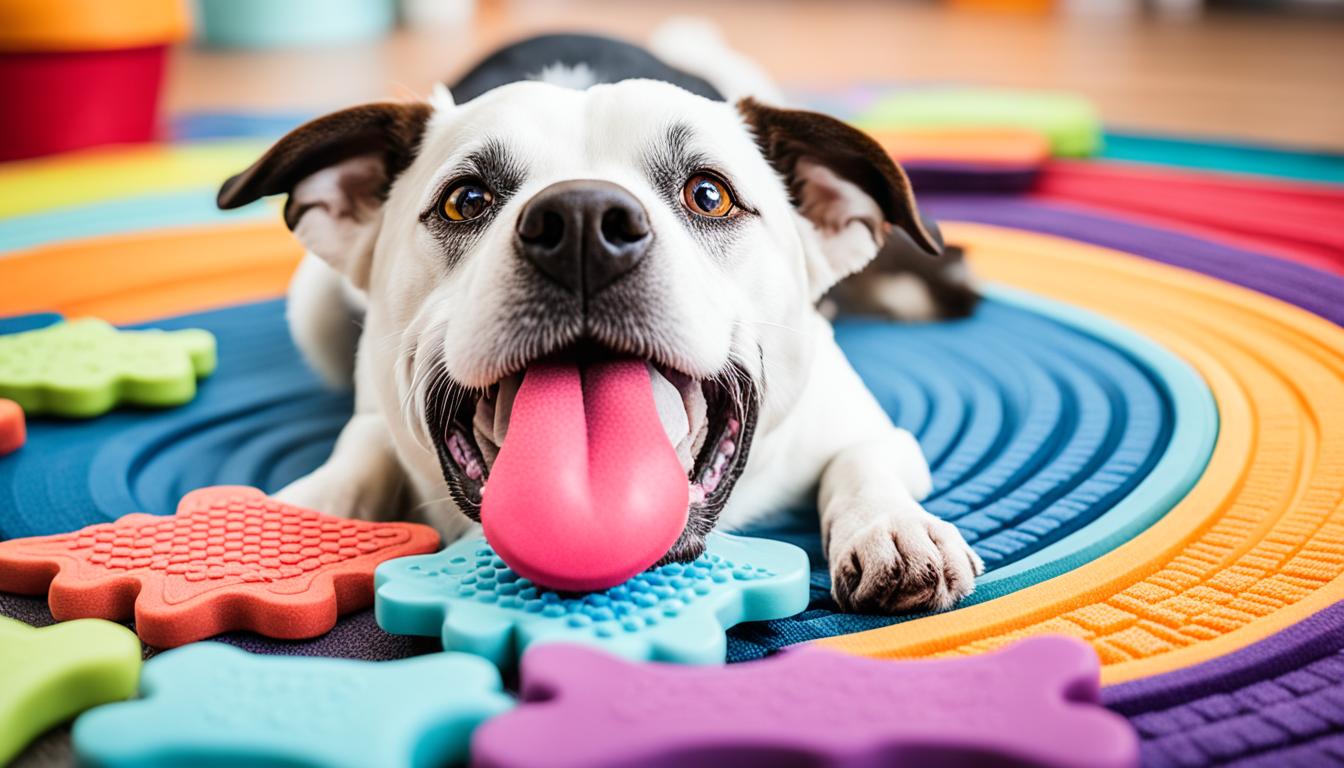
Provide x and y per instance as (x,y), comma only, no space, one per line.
(631,221)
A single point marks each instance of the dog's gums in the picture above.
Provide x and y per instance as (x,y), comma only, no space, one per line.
(708,422)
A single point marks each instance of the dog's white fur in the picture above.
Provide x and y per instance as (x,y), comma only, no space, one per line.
(819,432)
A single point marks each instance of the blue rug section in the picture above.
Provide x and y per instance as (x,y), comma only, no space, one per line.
(263,419)
(194,126)
(1034,430)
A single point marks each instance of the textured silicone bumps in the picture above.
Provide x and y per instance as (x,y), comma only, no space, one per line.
(469,597)
(230,559)
(1278,702)
(87,367)
(1254,547)
(49,675)
(212,704)
(1033,704)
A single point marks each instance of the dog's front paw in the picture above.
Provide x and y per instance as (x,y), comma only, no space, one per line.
(910,562)
(346,497)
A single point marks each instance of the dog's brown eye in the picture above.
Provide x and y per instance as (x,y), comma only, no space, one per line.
(708,196)
(466,200)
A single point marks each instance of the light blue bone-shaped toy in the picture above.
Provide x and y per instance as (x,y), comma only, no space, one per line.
(468,597)
(213,704)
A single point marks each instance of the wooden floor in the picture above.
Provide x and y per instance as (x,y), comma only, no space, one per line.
(1250,77)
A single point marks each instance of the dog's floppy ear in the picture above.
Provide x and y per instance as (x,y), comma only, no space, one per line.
(336,170)
(840,180)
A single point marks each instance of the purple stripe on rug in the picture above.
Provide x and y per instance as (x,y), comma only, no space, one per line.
(1278,701)
(1312,289)
(933,176)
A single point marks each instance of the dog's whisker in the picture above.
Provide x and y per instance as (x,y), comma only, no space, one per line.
(432,502)
(767,323)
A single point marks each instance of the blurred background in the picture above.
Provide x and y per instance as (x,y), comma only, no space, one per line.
(95,71)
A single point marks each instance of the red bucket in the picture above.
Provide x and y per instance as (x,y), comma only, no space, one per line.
(76,73)
(58,101)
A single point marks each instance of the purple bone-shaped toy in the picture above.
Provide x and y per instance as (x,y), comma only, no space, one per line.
(1034,704)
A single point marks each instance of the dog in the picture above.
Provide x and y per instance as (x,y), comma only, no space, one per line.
(585,199)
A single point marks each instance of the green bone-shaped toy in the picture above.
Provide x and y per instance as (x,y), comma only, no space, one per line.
(49,675)
(87,367)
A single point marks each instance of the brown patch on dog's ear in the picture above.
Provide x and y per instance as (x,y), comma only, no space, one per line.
(787,136)
(389,131)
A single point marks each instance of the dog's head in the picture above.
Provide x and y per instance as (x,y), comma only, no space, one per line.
(630,220)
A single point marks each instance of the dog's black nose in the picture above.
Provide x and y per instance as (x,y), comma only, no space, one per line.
(584,235)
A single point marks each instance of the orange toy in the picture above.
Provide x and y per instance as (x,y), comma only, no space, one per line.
(69,25)
(13,433)
(1006,146)
(230,559)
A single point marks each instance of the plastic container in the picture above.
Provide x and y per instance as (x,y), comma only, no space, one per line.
(293,23)
(77,73)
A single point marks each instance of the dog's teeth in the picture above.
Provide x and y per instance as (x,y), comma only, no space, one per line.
(483,441)
(671,410)
(508,389)
(697,410)
(482,427)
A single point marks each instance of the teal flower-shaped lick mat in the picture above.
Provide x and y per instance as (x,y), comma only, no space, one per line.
(467,596)
(211,704)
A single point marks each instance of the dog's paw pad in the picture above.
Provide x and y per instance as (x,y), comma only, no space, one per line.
(87,367)
(49,675)
(469,597)
(214,704)
(230,559)
(1032,704)
(916,563)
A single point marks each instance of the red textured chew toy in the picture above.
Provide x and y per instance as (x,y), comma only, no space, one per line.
(13,432)
(230,559)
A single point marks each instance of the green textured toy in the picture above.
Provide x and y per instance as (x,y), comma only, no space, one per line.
(49,675)
(1069,122)
(87,367)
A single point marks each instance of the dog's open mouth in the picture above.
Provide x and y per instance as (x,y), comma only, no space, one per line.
(706,424)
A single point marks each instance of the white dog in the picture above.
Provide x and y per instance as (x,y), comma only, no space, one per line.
(632,211)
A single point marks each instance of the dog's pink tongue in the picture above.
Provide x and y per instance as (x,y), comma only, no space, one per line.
(586,491)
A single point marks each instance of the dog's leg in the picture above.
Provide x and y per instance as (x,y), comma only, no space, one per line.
(323,312)
(886,553)
(361,479)
(904,283)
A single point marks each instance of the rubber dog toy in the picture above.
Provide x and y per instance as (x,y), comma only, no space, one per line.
(87,367)
(586,491)
(13,432)
(475,603)
(215,704)
(49,675)
(230,559)
(1069,122)
(1032,704)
